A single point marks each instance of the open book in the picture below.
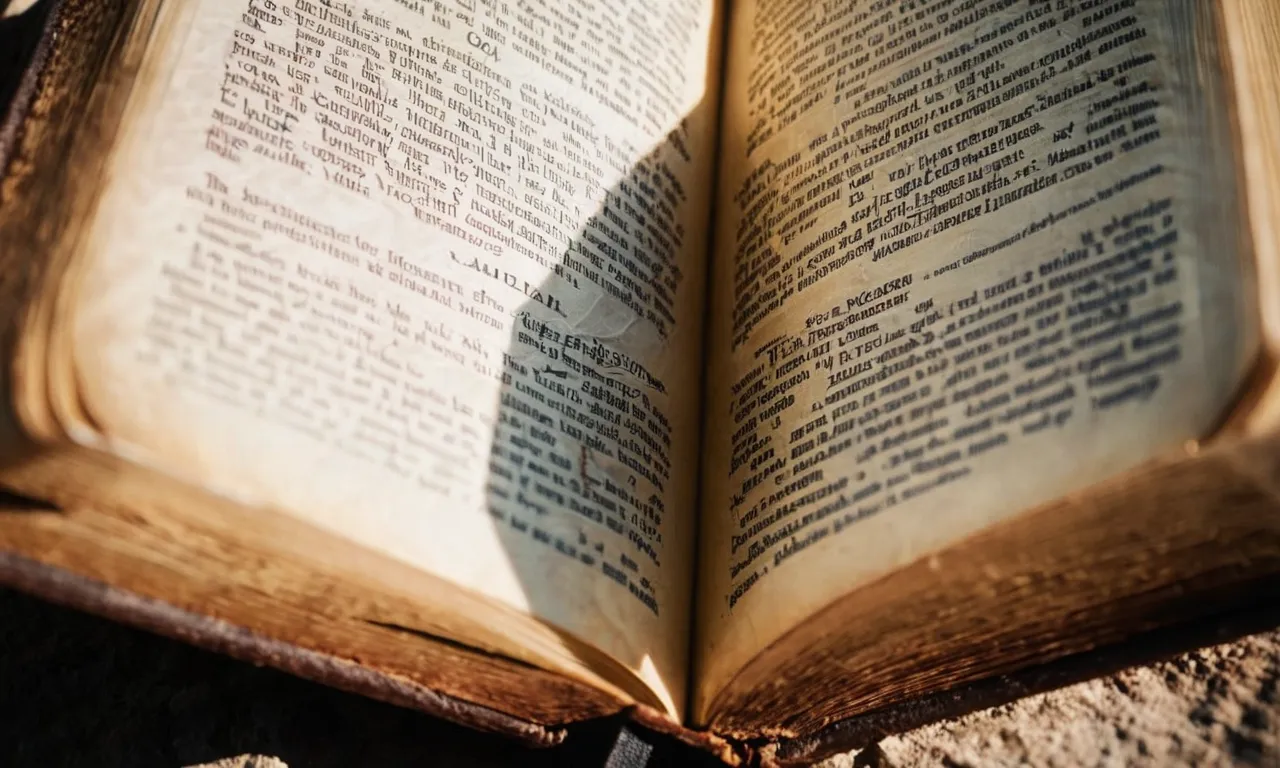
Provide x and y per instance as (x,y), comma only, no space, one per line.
(747,367)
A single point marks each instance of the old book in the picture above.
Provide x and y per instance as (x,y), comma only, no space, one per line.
(759,370)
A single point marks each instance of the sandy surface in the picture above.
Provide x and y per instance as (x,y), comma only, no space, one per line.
(1213,707)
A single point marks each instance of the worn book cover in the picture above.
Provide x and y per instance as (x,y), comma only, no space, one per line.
(775,372)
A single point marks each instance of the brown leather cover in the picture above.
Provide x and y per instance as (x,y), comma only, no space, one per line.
(65,588)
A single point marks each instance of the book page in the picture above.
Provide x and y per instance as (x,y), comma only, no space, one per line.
(971,257)
(429,275)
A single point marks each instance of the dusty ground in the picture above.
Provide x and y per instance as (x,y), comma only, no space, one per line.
(1213,707)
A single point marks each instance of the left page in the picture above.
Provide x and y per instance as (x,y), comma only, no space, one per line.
(428,275)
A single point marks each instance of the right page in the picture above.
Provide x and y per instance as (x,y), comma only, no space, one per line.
(971,256)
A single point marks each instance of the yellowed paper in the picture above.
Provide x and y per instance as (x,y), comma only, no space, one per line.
(971,257)
(428,275)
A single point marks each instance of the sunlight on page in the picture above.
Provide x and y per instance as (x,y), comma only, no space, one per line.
(430,280)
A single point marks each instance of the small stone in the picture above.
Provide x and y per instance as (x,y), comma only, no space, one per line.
(244,761)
